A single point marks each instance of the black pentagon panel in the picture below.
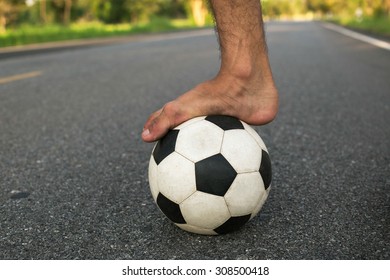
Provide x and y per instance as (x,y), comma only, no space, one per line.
(165,146)
(170,209)
(214,175)
(225,122)
(266,169)
(232,224)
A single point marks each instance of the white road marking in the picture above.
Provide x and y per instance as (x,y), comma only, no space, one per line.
(358,36)
(17,77)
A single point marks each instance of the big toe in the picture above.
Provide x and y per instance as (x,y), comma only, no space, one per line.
(156,128)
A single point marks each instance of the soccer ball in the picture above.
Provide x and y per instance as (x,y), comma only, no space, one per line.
(210,175)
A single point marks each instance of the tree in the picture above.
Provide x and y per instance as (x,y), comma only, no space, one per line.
(172,8)
(322,6)
(4,10)
(67,11)
(9,10)
(198,11)
(42,6)
(140,10)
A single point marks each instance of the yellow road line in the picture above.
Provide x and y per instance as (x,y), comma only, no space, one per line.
(20,77)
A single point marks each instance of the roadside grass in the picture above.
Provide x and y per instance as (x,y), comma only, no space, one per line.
(28,34)
(374,25)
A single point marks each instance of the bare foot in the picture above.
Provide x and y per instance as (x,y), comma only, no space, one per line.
(253,99)
(244,87)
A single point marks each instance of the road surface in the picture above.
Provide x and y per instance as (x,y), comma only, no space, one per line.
(73,169)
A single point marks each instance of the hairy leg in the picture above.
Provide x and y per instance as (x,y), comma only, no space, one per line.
(244,86)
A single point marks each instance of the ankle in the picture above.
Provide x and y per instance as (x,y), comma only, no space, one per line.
(241,71)
(247,67)
(249,77)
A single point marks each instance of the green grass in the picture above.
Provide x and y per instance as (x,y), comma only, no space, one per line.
(50,33)
(380,26)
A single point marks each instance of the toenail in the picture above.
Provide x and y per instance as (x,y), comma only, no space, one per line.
(146,132)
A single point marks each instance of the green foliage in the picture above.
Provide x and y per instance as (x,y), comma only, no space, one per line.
(172,9)
(149,15)
(27,34)
(16,12)
(375,25)
(376,8)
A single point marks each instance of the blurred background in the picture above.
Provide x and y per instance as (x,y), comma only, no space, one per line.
(34,21)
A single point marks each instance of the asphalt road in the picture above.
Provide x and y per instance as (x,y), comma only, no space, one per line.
(73,169)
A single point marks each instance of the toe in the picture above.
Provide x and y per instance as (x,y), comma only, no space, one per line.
(158,124)
(151,118)
(156,128)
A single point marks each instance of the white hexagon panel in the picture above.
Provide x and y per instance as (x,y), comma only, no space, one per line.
(255,136)
(244,194)
(199,140)
(241,150)
(176,177)
(200,205)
